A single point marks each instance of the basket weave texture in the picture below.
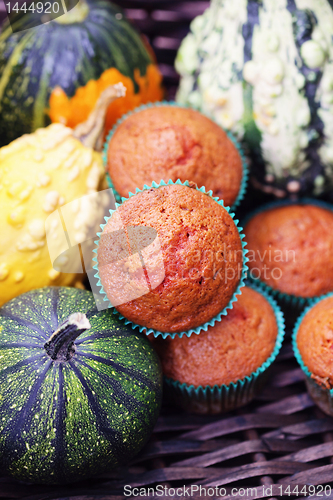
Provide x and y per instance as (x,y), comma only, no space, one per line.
(281,439)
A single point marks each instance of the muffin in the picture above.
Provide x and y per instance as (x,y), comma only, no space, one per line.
(169,142)
(189,273)
(313,347)
(290,248)
(228,360)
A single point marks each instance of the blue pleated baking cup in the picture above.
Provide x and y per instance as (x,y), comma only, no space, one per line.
(223,398)
(245,177)
(322,396)
(283,297)
(218,317)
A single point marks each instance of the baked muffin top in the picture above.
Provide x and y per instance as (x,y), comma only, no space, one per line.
(291,247)
(198,249)
(168,142)
(234,347)
(315,342)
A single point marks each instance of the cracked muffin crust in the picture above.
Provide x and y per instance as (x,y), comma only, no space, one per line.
(202,258)
(169,142)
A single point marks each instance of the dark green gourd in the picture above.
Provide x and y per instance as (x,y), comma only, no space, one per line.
(92,43)
(80,392)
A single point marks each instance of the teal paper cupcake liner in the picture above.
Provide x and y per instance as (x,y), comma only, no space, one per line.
(285,298)
(205,326)
(321,396)
(118,198)
(223,398)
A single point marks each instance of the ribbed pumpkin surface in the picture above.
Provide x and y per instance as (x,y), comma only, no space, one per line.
(61,421)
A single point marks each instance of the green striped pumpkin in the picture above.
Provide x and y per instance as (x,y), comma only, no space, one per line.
(68,52)
(264,70)
(71,406)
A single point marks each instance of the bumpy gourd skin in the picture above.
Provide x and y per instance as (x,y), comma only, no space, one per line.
(264,70)
(315,342)
(64,421)
(39,173)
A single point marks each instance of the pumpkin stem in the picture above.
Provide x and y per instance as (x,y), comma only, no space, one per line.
(91,132)
(76,12)
(60,346)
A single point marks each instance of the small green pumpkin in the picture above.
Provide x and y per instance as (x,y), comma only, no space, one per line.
(79,391)
(264,70)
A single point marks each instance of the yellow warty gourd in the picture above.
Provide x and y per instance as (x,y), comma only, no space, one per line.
(39,173)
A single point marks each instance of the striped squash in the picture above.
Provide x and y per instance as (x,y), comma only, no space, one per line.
(55,72)
(264,69)
(80,392)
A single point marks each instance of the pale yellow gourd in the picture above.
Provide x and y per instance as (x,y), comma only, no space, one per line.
(39,173)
